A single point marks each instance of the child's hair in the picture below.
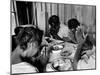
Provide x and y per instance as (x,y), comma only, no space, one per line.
(54,19)
(29,34)
(73,23)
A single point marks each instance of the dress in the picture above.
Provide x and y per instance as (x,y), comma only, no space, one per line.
(23,67)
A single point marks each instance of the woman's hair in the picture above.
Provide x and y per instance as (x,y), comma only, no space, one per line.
(29,34)
(73,23)
(17,30)
(54,19)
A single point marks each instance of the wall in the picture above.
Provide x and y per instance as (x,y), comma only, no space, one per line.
(41,12)
(84,13)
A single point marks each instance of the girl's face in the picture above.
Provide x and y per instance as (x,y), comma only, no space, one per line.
(31,50)
(75,29)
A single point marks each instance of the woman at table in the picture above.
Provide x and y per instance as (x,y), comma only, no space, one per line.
(26,58)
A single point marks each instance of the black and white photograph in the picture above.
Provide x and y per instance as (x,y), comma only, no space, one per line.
(52,37)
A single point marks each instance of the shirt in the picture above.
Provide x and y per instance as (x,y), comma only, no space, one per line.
(63,31)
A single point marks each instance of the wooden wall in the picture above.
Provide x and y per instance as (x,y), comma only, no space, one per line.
(42,11)
(84,13)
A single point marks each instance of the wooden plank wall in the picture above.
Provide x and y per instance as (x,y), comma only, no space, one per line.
(13,18)
(84,13)
(42,11)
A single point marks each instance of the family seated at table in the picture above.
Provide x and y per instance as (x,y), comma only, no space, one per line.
(35,52)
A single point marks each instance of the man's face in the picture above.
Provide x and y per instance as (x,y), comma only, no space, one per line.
(56,26)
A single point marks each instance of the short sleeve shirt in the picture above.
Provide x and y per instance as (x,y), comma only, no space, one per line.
(63,31)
